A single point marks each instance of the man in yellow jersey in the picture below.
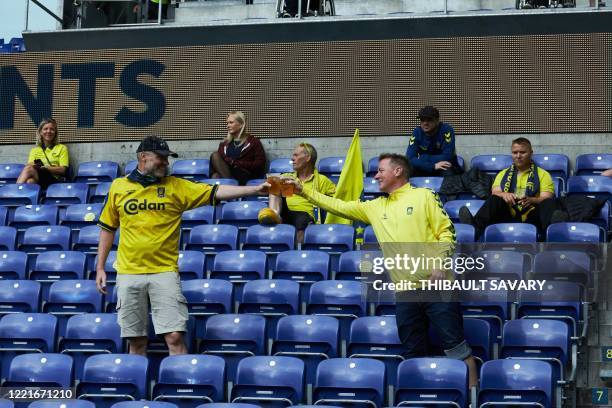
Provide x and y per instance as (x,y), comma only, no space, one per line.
(297,210)
(408,215)
(147,205)
(523,192)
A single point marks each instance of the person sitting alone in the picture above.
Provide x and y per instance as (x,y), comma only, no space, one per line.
(297,210)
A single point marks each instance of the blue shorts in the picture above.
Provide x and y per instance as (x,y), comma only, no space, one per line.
(413,321)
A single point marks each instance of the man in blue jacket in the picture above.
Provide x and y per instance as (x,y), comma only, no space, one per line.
(431,150)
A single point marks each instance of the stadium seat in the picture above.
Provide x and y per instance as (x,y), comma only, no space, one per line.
(13,265)
(242,214)
(591,186)
(87,242)
(88,334)
(359,381)
(211,239)
(372,167)
(437,381)
(109,268)
(331,166)
(432,183)
(95,172)
(234,337)
(489,305)
(230,405)
(371,189)
(557,300)
(191,265)
(145,404)
(52,266)
(478,334)
(564,265)
(17,44)
(256,197)
(109,378)
(271,298)
(592,164)
(465,233)
(528,382)
(500,265)
(32,215)
(573,232)
(46,238)
(100,192)
(239,266)
(14,195)
(311,338)
(303,267)
(61,403)
(19,296)
(207,297)
(78,216)
(40,370)
(220,182)
(356,265)
(196,216)
(191,169)
(130,166)
(191,379)
(9,172)
(345,300)
(331,238)
(557,165)
(270,381)
(7,403)
(377,337)
(63,194)
(72,297)
(369,238)
(26,333)
(510,232)
(491,163)
(452,208)
(3,216)
(281,165)
(270,239)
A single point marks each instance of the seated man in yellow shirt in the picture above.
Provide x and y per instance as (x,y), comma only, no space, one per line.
(297,210)
(521,193)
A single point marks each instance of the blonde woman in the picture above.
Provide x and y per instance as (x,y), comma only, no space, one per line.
(48,162)
(240,155)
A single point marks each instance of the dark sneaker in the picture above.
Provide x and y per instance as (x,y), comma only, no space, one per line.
(465,216)
(559,216)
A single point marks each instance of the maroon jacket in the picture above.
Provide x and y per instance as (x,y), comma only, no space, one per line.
(252,157)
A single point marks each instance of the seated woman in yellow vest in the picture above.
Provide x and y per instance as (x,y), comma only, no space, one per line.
(48,161)
(296,210)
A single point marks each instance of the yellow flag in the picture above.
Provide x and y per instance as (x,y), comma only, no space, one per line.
(350,184)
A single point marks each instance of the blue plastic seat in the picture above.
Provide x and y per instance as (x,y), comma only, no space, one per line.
(109,268)
(32,215)
(528,382)
(426,381)
(191,265)
(14,195)
(557,300)
(575,232)
(220,182)
(13,265)
(130,166)
(109,378)
(331,238)
(7,403)
(331,166)
(88,334)
(22,333)
(478,334)
(433,183)
(345,300)
(46,238)
(196,216)
(371,189)
(491,163)
(145,404)
(190,379)
(557,165)
(19,296)
(281,165)
(41,370)
(17,44)
(269,381)
(369,239)
(3,216)
(72,297)
(270,240)
(372,168)
(489,305)
(95,172)
(511,232)
(564,265)
(52,266)
(191,169)
(207,297)
(61,403)
(465,233)
(592,164)
(356,265)
(311,338)
(377,337)
(353,381)
(98,195)
(212,239)
(452,208)
(239,266)
(87,242)
(591,186)
(500,265)
(302,266)
(78,216)
(9,172)
(242,214)
(62,194)
(234,337)
(227,405)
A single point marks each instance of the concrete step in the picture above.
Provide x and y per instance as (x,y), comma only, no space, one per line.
(204,11)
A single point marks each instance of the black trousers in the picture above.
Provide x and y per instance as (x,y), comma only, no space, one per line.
(495,210)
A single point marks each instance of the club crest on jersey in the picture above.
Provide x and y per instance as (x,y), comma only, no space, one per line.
(161,192)
(409,211)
